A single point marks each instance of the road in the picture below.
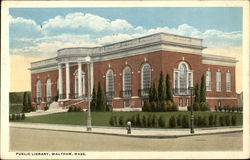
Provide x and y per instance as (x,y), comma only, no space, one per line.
(22,139)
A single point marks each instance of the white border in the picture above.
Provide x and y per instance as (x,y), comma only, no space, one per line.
(5,74)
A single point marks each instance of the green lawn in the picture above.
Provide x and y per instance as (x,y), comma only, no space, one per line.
(102,118)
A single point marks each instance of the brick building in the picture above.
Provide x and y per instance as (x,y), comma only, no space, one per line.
(127,69)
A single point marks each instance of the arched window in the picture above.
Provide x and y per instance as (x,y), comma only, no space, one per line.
(48,90)
(110,83)
(228,81)
(218,81)
(145,79)
(82,82)
(127,82)
(183,79)
(208,80)
(38,91)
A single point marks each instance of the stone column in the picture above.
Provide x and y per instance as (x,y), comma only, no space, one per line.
(60,81)
(67,81)
(79,79)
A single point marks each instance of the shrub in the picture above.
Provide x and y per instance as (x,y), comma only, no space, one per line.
(227,120)
(179,120)
(111,121)
(204,106)
(216,108)
(195,106)
(204,121)
(149,121)
(153,106)
(154,121)
(215,122)
(144,121)
(172,122)
(46,108)
(115,121)
(121,121)
(210,120)
(18,117)
(70,109)
(138,120)
(175,107)
(161,122)
(23,116)
(133,120)
(240,109)
(185,121)
(199,121)
(234,120)
(220,108)
(221,120)
(146,107)
(189,108)
(195,121)
(78,109)
(233,108)
(13,117)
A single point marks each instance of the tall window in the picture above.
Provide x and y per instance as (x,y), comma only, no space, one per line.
(127,82)
(48,90)
(183,78)
(208,80)
(228,81)
(110,83)
(146,78)
(218,81)
(38,90)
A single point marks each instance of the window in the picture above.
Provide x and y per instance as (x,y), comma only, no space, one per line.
(180,101)
(218,81)
(228,81)
(126,103)
(48,90)
(187,101)
(127,82)
(183,79)
(219,102)
(38,90)
(82,82)
(146,79)
(110,83)
(208,80)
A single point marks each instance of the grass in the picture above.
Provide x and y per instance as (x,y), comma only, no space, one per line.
(102,118)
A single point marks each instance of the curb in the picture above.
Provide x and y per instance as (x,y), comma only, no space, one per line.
(134,136)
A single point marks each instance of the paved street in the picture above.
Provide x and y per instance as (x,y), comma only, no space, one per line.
(24,139)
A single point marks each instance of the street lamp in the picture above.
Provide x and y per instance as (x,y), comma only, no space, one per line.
(191,108)
(89,128)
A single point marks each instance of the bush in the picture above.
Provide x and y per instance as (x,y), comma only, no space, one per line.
(175,107)
(199,121)
(133,120)
(185,121)
(172,122)
(121,121)
(13,117)
(23,116)
(233,108)
(196,107)
(234,120)
(18,117)
(149,121)
(70,109)
(138,120)
(46,108)
(179,120)
(115,121)
(161,122)
(215,122)
(146,107)
(195,121)
(227,120)
(204,106)
(204,121)
(111,121)
(144,121)
(216,108)
(189,108)
(153,106)
(210,120)
(221,120)
(154,121)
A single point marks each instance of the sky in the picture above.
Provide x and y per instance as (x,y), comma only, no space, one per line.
(37,33)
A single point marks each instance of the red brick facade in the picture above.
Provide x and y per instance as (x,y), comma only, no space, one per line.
(165,61)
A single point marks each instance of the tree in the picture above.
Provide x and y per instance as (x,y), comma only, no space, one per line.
(29,103)
(25,102)
(196,94)
(169,94)
(101,99)
(161,92)
(154,93)
(93,101)
(203,89)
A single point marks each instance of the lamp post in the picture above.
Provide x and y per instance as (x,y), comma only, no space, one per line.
(89,127)
(191,108)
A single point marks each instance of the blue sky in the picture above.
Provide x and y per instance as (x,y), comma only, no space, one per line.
(35,29)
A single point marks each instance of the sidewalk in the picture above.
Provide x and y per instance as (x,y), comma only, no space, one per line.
(121,131)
